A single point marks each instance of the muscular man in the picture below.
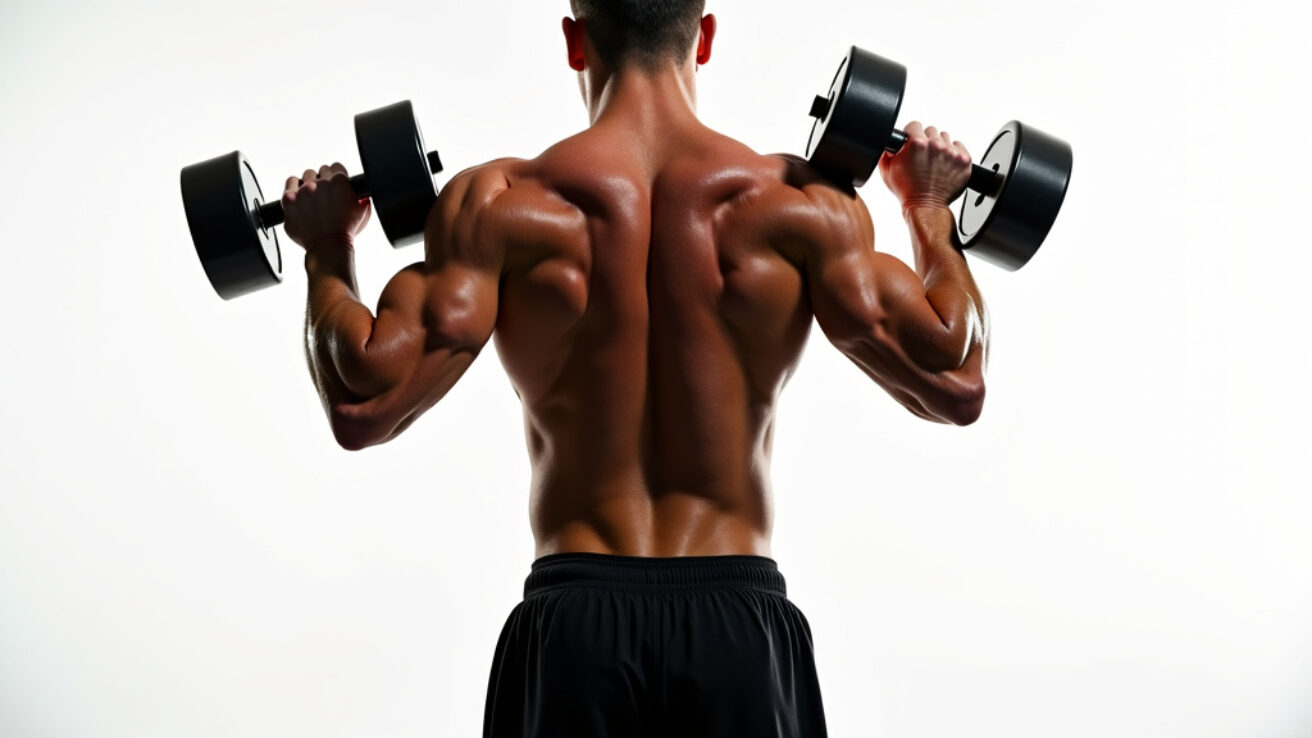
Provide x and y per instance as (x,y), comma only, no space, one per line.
(650,284)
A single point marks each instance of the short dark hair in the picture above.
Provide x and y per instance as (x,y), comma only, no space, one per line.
(646,33)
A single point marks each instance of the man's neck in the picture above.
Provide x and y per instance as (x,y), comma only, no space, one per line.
(643,99)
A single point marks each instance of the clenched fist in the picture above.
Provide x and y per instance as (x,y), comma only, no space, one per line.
(930,169)
(321,206)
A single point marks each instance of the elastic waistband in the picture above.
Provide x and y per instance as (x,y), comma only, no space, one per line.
(650,574)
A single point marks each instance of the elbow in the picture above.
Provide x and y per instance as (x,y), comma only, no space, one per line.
(355,430)
(966,403)
(351,440)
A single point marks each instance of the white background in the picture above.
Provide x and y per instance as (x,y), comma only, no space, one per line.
(1119,547)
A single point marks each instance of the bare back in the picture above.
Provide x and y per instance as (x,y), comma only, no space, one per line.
(649,340)
(649,285)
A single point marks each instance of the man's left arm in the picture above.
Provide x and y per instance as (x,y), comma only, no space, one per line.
(376,374)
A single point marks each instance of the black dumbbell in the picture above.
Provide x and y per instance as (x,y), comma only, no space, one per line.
(232,224)
(1014,194)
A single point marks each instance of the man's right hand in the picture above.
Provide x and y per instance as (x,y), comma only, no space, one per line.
(931,169)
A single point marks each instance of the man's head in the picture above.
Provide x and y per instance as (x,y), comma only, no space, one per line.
(648,34)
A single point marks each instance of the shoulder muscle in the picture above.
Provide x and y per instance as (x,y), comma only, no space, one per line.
(819,220)
(458,229)
(501,215)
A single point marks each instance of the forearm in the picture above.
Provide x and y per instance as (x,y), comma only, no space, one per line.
(950,289)
(338,327)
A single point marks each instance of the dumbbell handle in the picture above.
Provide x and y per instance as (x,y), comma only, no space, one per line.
(271,214)
(981,179)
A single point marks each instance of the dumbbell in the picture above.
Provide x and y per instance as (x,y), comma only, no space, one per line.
(232,226)
(1014,193)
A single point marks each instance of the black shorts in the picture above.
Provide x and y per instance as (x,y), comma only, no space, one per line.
(606,646)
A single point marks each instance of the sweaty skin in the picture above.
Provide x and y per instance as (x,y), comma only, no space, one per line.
(649,285)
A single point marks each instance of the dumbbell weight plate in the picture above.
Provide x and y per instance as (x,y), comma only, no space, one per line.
(400,173)
(1006,225)
(856,121)
(221,197)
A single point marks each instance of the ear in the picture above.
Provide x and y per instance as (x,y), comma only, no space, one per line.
(705,39)
(574,43)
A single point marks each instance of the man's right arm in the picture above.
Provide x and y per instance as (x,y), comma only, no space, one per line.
(921,335)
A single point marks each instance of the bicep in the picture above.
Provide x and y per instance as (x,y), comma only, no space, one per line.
(430,326)
(451,322)
(873,307)
(433,317)
(425,309)
(857,292)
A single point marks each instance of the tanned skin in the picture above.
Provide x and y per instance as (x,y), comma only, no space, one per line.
(650,285)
